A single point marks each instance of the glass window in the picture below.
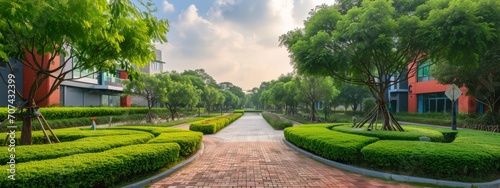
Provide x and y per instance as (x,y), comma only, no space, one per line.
(423,73)
(434,102)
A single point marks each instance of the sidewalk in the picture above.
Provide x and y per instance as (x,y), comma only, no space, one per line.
(249,153)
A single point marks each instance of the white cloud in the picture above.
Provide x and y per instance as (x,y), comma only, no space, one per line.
(236,40)
(168,7)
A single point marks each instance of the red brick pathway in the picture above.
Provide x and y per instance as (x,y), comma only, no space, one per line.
(260,163)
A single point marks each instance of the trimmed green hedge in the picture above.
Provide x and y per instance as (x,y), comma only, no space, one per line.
(276,121)
(84,145)
(71,134)
(188,140)
(328,144)
(77,112)
(239,111)
(102,169)
(472,156)
(435,159)
(156,131)
(214,125)
(410,133)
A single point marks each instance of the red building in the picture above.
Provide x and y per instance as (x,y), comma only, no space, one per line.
(425,94)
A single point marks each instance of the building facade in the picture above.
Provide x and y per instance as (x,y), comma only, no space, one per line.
(425,94)
(397,96)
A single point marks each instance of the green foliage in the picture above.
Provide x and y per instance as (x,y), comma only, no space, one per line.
(454,160)
(214,125)
(432,159)
(77,112)
(276,121)
(352,95)
(438,118)
(103,169)
(84,145)
(328,144)
(239,111)
(410,133)
(368,105)
(188,141)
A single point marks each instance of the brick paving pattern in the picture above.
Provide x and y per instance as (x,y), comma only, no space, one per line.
(249,153)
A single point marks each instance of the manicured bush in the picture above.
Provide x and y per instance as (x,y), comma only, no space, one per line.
(239,111)
(71,134)
(84,145)
(410,133)
(276,121)
(471,156)
(448,161)
(103,169)
(156,131)
(214,125)
(189,141)
(328,144)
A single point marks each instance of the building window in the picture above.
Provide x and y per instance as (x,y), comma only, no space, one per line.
(424,71)
(156,66)
(434,102)
(110,100)
(78,73)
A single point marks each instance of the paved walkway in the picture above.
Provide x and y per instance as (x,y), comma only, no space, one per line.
(249,153)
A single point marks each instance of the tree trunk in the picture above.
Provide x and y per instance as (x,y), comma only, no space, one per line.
(388,121)
(26,136)
(313,112)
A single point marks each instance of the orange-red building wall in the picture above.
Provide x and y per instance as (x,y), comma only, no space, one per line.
(30,77)
(125,101)
(466,104)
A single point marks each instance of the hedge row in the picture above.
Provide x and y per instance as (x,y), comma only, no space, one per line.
(102,169)
(72,112)
(214,125)
(410,133)
(239,111)
(337,146)
(442,160)
(188,140)
(472,156)
(156,131)
(276,121)
(84,145)
(71,134)
(80,121)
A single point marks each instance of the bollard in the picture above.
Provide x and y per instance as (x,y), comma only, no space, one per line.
(93,127)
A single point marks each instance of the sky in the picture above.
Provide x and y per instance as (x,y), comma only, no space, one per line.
(233,40)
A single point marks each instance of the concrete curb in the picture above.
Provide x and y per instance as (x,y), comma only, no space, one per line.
(170,171)
(401,178)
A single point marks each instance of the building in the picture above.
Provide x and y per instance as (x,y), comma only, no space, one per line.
(158,66)
(397,96)
(425,94)
(83,88)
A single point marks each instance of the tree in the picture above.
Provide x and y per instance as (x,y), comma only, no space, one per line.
(148,87)
(102,37)
(352,96)
(230,100)
(314,89)
(213,97)
(466,42)
(482,82)
(365,46)
(181,92)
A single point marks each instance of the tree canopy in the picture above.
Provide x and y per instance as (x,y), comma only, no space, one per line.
(364,45)
(94,35)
